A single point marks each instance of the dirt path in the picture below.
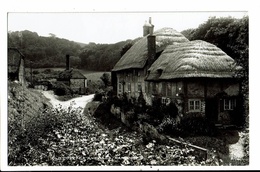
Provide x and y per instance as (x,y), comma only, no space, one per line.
(75,102)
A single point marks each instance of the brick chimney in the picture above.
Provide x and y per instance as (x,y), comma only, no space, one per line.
(148,27)
(151,44)
(67,62)
(151,26)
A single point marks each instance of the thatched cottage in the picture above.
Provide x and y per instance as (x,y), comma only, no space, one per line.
(197,76)
(16,70)
(130,71)
(73,78)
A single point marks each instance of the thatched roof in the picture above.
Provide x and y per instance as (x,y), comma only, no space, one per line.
(71,74)
(136,56)
(192,59)
(14,60)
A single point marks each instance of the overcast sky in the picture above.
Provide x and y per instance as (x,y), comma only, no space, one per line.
(109,27)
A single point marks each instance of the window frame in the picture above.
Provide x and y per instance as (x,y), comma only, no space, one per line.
(120,87)
(230,102)
(139,87)
(129,87)
(165,100)
(193,106)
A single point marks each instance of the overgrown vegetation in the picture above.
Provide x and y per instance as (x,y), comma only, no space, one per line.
(164,119)
(64,137)
(61,89)
(40,75)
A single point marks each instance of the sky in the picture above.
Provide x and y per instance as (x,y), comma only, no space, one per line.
(106,27)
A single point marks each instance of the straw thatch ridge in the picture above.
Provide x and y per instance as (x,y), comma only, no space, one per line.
(136,56)
(192,59)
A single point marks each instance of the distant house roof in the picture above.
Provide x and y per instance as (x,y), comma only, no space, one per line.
(192,59)
(14,60)
(136,56)
(71,74)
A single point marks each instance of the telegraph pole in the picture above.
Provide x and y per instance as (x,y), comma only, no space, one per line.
(20,35)
(31,72)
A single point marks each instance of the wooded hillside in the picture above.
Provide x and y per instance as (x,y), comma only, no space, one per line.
(50,51)
(103,57)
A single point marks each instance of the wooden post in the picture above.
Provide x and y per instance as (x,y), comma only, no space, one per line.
(31,72)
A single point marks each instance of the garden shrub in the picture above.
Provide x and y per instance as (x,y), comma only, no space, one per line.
(167,126)
(23,140)
(193,126)
(61,89)
(150,133)
(159,111)
(106,79)
(35,72)
(103,115)
(98,96)
(196,126)
(94,86)
(47,71)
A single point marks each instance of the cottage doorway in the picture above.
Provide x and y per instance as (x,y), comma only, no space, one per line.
(211,109)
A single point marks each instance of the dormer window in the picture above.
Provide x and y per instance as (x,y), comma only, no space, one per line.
(159,71)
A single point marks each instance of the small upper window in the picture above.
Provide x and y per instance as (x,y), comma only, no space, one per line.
(160,71)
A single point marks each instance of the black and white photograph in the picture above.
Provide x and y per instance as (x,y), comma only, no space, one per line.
(127,88)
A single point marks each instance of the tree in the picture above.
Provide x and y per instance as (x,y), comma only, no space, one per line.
(52,35)
(125,48)
(106,79)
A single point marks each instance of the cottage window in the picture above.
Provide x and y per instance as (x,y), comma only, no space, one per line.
(229,104)
(194,105)
(139,87)
(129,87)
(165,100)
(120,87)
